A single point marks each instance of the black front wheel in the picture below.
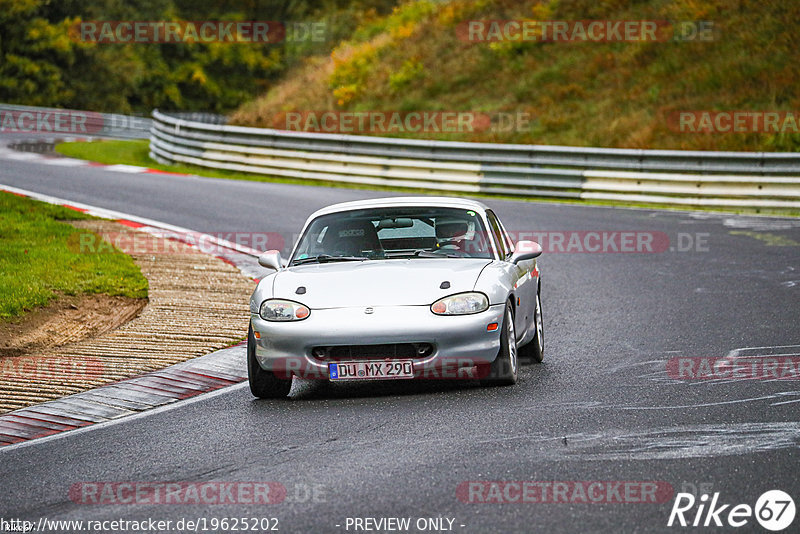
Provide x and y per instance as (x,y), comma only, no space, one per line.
(503,370)
(263,384)
(535,349)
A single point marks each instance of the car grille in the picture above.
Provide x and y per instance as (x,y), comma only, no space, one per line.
(379,352)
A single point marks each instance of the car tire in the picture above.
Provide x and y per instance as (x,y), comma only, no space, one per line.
(503,370)
(263,384)
(535,349)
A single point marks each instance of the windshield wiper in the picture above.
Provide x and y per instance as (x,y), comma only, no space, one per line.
(433,254)
(422,253)
(326,258)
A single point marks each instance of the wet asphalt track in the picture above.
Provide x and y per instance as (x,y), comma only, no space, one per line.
(602,406)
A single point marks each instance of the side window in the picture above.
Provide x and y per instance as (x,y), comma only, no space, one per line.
(499,235)
(509,242)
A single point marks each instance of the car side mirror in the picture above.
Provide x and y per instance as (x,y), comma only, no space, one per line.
(270,259)
(526,250)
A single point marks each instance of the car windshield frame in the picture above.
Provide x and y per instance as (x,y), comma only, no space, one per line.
(470,235)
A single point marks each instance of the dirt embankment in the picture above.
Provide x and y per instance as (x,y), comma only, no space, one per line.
(66,320)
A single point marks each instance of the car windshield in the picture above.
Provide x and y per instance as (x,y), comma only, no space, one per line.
(388,233)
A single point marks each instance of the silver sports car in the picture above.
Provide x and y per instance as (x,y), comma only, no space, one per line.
(396,288)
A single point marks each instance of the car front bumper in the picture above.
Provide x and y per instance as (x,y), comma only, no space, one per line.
(458,341)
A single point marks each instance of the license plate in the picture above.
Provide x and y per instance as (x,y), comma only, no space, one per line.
(371,370)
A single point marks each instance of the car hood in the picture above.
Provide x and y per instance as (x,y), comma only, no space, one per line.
(406,282)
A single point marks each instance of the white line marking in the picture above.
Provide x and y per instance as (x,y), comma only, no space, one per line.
(784,402)
(65,162)
(685,406)
(120,167)
(736,352)
(23,156)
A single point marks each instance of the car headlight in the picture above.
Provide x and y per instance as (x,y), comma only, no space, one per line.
(461,304)
(283,310)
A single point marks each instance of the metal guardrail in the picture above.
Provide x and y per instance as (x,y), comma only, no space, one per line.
(692,178)
(37,121)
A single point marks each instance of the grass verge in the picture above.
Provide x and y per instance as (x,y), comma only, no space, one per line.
(39,260)
(137,153)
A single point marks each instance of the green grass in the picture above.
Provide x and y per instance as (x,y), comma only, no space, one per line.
(38,260)
(136,153)
(109,152)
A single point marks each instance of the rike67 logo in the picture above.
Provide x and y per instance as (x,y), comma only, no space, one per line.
(774,510)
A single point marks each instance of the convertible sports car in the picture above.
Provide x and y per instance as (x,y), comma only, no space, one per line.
(396,288)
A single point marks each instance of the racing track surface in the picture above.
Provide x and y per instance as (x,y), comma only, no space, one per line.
(601,408)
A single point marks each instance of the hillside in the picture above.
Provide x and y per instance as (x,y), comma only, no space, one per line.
(574,92)
(86,55)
